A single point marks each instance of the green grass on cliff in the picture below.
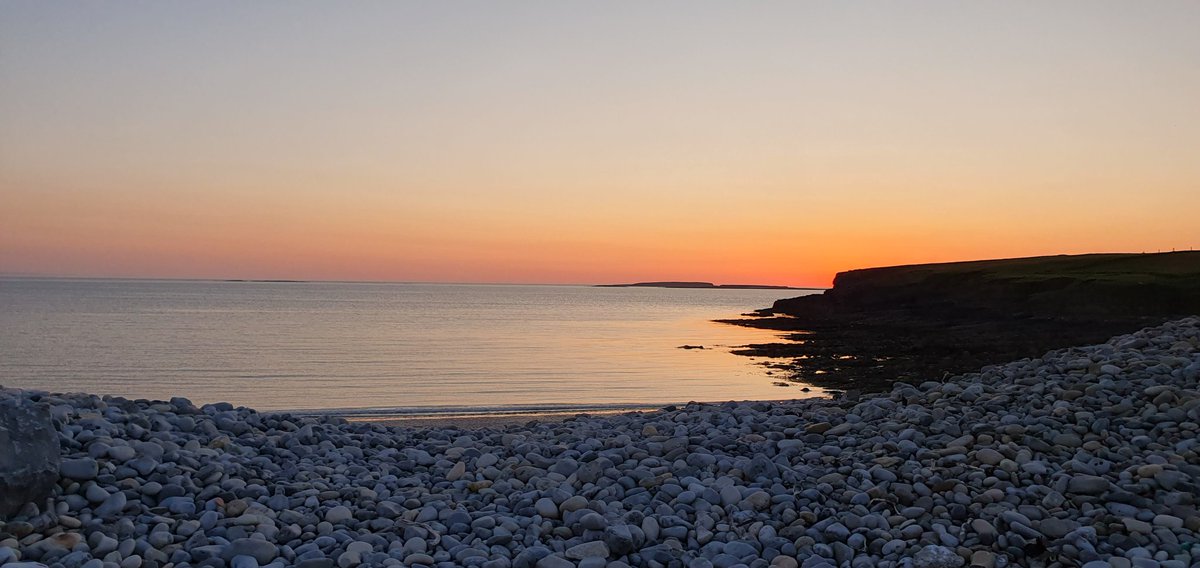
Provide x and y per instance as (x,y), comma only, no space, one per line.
(1181,268)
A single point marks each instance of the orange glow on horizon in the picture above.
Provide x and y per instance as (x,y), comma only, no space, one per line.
(589,143)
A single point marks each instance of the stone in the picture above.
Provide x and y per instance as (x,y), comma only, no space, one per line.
(935,556)
(818,428)
(243,561)
(325,563)
(1057,528)
(546,508)
(985,530)
(593,522)
(983,559)
(1088,484)
(1137,526)
(619,539)
(554,561)
(738,549)
(782,561)
(573,503)
(29,453)
(349,559)
(1168,521)
(112,506)
(587,550)
(262,551)
(988,456)
(122,453)
(338,514)
(79,469)
(419,559)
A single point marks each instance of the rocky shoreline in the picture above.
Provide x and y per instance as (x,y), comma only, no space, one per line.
(1086,456)
(912,323)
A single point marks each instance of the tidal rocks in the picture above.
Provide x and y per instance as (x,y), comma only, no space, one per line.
(1053,461)
(29,453)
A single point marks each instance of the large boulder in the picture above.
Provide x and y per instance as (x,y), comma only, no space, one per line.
(29,453)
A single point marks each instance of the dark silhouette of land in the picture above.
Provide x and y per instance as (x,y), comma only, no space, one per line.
(919,322)
(701,285)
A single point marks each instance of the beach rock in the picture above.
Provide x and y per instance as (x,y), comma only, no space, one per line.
(1057,528)
(121,453)
(29,454)
(587,550)
(1088,485)
(243,561)
(593,522)
(988,456)
(262,551)
(985,559)
(1137,526)
(546,508)
(113,506)
(79,469)
(555,562)
(934,556)
(338,514)
(620,539)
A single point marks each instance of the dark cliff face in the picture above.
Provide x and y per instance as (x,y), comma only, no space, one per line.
(916,323)
(1083,286)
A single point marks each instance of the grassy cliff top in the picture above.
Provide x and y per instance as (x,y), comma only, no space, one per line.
(1128,285)
(1131,268)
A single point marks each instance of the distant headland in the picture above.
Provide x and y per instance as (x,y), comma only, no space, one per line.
(909,323)
(702,285)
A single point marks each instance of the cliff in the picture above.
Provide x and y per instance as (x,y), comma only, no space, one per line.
(1080,286)
(919,322)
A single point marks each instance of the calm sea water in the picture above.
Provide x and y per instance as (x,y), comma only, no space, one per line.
(382,348)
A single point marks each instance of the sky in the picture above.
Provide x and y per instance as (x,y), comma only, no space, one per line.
(589,142)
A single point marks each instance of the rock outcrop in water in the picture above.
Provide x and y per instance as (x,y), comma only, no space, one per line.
(29,455)
(1082,457)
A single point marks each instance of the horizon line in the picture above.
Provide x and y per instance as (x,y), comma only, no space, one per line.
(323,281)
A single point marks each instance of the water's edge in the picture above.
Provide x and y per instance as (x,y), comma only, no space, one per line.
(469,411)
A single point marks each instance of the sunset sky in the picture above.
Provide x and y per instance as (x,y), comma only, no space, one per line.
(588,142)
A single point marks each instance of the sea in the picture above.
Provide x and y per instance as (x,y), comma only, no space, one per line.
(386,349)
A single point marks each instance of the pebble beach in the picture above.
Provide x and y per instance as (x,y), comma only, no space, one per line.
(1088,456)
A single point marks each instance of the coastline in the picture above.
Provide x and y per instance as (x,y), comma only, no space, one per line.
(877,326)
(474,421)
(1083,456)
(468,418)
